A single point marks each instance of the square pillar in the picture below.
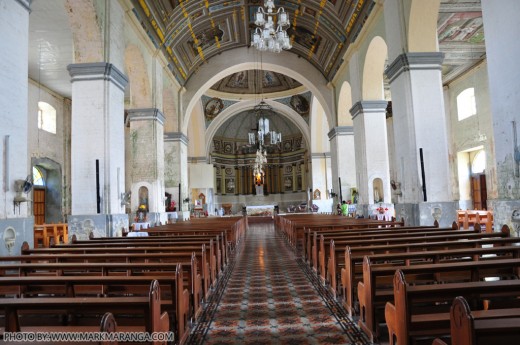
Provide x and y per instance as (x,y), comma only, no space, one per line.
(97,149)
(147,161)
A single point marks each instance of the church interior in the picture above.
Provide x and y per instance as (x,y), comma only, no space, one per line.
(260,119)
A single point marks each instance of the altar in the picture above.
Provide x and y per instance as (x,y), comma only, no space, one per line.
(260,210)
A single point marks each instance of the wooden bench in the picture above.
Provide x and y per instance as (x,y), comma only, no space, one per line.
(311,234)
(376,288)
(174,297)
(328,251)
(97,269)
(421,311)
(151,320)
(352,270)
(469,218)
(206,266)
(486,327)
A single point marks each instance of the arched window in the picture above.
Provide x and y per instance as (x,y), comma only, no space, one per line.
(478,165)
(46,117)
(38,178)
(466,105)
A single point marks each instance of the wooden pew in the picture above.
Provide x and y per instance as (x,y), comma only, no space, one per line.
(485,327)
(352,271)
(421,311)
(112,269)
(375,291)
(206,266)
(311,234)
(325,251)
(149,307)
(175,298)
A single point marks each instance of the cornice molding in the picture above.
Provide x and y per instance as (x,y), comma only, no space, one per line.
(98,71)
(414,61)
(176,137)
(340,131)
(145,114)
(368,107)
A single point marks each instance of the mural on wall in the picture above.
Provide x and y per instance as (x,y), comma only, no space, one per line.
(300,104)
(213,107)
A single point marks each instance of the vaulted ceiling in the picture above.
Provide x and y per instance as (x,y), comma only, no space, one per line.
(190,32)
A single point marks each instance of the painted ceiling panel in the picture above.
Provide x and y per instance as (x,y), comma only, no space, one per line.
(191,32)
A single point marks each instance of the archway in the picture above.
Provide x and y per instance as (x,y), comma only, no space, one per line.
(49,194)
(244,59)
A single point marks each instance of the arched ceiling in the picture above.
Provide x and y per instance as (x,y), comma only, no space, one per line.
(255,82)
(191,32)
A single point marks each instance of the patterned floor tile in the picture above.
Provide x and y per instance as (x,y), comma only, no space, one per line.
(271,297)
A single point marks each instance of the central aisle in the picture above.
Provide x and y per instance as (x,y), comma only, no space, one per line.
(269,299)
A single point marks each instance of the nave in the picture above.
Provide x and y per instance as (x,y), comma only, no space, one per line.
(271,297)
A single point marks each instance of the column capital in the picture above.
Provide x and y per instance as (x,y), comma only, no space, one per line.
(367,107)
(25,4)
(98,71)
(176,137)
(340,130)
(414,61)
(145,114)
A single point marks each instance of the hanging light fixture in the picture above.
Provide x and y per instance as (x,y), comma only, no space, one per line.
(270,34)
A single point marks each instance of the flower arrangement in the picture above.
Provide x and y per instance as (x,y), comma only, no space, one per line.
(381,209)
(172,207)
(140,215)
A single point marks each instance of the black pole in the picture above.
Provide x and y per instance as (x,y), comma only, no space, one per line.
(340,193)
(98,197)
(423,174)
(180,200)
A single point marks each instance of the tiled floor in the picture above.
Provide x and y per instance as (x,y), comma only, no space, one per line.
(269,299)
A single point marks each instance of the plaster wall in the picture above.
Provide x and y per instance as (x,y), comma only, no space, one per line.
(472,133)
(201,176)
(14,26)
(51,151)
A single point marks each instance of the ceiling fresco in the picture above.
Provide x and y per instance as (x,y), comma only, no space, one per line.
(255,82)
(191,32)
(460,30)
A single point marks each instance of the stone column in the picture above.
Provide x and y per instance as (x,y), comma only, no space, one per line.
(370,138)
(419,125)
(501,26)
(343,160)
(97,149)
(294,179)
(147,161)
(223,180)
(281,180)
(215,178)
(15,223)
(237,181)
(176,168)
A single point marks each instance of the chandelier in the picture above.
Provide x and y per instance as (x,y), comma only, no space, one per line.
(270,35)
(259,138)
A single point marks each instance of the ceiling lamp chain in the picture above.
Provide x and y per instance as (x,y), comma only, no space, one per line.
(270,34)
